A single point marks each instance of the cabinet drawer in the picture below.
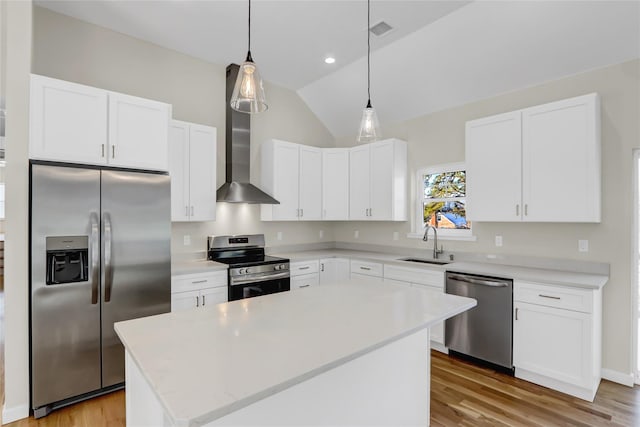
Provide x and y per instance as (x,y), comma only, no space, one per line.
(366,268)
(304,281)
(415,275)
(192,282)
(303,267)
(554,296)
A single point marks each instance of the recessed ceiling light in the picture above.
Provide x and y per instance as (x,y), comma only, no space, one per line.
(329,60)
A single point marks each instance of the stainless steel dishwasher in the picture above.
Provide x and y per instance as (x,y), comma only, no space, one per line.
(486,331)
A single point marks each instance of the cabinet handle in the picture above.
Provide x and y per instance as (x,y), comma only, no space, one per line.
(191,210)
(102,150)
(304,286)
(113,151)
(197,301)
(186,211)
(199,281)
(203,301)
(304,268)
(517,210)
(297,213)
(301,212)
(370,211)
(548,296)
(322,267)
(516,313)
(526,209)
(365,268)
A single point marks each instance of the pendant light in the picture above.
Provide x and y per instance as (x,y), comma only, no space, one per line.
(248,93)
(369,125)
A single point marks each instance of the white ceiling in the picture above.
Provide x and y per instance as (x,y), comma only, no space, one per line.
(441,54)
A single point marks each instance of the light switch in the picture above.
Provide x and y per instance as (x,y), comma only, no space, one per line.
(583,246)
(356,234)
(186,239)
(498,241)
(279,235)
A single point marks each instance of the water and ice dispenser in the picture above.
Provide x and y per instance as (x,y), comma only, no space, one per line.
(67,259)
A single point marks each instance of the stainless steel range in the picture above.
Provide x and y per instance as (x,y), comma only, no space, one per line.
(251,272)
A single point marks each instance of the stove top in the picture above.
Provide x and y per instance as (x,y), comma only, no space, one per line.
(240,251)
(251,261)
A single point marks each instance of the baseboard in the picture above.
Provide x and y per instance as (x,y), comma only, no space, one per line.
(618,377)
(16,413)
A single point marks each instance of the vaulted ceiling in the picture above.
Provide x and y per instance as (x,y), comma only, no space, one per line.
(440,53)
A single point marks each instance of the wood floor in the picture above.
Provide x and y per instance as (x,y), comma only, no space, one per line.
(462,394)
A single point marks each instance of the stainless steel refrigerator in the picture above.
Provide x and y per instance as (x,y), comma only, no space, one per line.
(100,253)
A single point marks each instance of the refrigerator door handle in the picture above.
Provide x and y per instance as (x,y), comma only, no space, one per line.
(95,257)
(108,266)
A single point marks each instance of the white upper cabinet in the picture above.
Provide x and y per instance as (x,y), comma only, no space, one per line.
(292,174)
(378,181)
(138,132)
(494,182)
(192,166)
(81,124)
(68,122)
(335,184)
(540,164)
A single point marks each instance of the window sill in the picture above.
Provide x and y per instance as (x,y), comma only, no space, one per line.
(444,237)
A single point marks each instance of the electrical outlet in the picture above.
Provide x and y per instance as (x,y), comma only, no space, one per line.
(186,240)
(279,235)
(583,246)
(356,234)
(498,241)
(396,235)
(321,234)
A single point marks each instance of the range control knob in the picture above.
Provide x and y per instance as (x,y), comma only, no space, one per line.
(247,271)
(283,266)
(241,271)
(276,267)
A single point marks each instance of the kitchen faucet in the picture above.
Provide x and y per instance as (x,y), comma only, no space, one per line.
(436,251)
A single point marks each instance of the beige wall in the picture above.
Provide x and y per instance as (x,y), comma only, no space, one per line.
(439,138)
(16,30)
(74,50)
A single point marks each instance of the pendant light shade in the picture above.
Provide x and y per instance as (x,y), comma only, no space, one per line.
(248,93)
(369,125)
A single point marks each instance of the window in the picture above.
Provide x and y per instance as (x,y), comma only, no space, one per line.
(441,201)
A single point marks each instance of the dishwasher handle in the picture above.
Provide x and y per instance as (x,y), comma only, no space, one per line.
(482,282)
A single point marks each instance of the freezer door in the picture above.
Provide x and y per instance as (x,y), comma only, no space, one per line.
(136,248)
(65,314)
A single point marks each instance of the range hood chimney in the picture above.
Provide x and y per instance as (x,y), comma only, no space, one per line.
(237,188)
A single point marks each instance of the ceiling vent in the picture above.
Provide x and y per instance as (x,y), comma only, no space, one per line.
(381,28)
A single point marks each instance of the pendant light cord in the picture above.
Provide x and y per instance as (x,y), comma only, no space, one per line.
(249,43)
(368,54)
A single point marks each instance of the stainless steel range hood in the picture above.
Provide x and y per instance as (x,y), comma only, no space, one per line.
(237,188)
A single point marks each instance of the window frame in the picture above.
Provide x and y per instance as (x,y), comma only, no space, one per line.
(443,233)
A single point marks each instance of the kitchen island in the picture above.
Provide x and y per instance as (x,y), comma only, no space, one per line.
(350,353)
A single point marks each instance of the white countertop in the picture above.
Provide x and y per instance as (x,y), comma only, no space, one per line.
(206,363)
(196,266)
(551,276)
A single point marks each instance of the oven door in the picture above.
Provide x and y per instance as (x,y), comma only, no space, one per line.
(256,285)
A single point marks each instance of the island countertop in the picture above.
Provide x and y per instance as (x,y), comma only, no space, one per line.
(206,363)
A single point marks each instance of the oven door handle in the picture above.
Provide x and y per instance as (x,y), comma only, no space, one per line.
(260,278)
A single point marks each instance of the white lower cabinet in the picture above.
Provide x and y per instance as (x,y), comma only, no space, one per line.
(557,337)
(304,274)
(333,270)
(198,290)
(429,280)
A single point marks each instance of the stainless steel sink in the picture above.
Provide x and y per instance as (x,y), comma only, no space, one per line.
(426,261)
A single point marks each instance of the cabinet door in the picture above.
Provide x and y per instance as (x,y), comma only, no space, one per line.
(359,182)
(382,180)
(493,160)
(304,281)
(213,296)
(552,342)
(179,170)
(202,173)
(437,330)
(68,122)
(561,161)
(310,191)
(334,270)
(285,182)
(138,132)
(185,300)
(335,184)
